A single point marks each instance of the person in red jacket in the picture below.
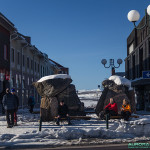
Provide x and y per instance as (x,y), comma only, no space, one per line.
(111,108)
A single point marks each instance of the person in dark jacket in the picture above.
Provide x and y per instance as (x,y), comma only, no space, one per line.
(9,104)
(31,103)
(63,112)
(16,109)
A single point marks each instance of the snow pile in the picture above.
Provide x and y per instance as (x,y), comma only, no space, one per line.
(56,76)
(136,127)
(120,80)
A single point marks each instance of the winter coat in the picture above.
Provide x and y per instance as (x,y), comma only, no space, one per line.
(31,101)
(126,108)
(63,110)
(17,100)
(9,102)
(112,107)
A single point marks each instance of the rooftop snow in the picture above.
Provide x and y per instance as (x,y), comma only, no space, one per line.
(56,76)
(120,80)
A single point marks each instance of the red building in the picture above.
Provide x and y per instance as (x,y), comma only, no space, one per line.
(6,29)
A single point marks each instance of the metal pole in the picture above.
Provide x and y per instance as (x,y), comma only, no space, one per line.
(40,125)
(107,122)
(149,24)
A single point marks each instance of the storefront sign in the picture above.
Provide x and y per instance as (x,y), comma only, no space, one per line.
(146,74)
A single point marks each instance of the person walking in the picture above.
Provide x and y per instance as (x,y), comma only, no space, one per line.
(63,112)
(16,109)
(9,104)
(126,110)
(31,103)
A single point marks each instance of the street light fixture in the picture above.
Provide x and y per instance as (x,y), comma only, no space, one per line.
(111,64)
(134,16)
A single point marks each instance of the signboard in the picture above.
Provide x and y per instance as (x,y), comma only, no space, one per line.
(146,74)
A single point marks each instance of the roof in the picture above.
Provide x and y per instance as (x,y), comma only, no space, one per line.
(8,21)
(56,63)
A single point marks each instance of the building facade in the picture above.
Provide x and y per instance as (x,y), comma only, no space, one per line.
(137,61)
(28,65)
(21,63)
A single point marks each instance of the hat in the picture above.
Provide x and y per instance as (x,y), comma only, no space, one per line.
(12,90)
(62,101)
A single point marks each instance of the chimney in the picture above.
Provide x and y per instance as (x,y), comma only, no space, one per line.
(28,39)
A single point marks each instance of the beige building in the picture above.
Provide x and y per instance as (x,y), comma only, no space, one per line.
(27,65)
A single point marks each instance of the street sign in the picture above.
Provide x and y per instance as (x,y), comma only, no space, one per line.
(146,74)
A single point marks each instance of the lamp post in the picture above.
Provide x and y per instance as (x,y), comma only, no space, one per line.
(111,64)
(134,16)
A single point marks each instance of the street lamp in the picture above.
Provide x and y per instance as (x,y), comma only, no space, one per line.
(111,64)
(134,16)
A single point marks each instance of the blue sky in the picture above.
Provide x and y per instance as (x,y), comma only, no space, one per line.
(77,33)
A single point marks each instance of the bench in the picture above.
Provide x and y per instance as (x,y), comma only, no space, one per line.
(71,117)
(77,118)
(116,117)
(120,117)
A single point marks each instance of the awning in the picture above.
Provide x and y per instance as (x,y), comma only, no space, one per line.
(140,82)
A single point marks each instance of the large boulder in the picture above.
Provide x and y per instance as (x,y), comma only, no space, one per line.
(49,108)
(72,100)
(117,88)
(50,87)
(53,89)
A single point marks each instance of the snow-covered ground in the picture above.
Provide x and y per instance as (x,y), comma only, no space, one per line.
(80,132)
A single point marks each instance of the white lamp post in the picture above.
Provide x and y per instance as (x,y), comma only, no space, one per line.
(134,16)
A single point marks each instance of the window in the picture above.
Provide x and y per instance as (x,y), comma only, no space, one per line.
(23,60)
(31,64)
(13,55)
(147,30)
(141,36)
(38,67)
(5,52)
(41,71)
(35,66)
(27,62)
(17,80)
(23,83)
(141,63)
(28,81)
(133,66)
(131,48)
(144,34)
(18,58)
